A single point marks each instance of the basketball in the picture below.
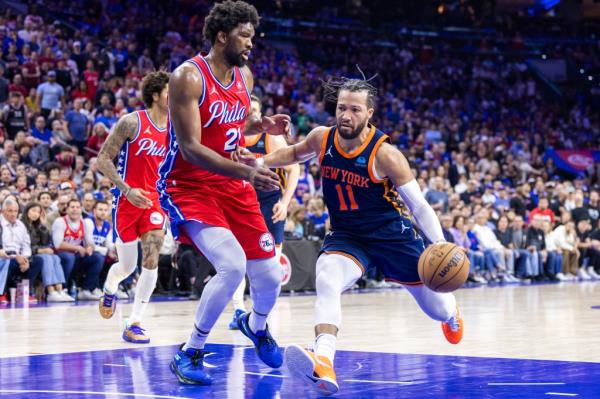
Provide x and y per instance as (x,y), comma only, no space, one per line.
(444,267)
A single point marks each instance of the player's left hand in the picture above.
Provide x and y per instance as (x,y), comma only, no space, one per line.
(279,212)
(277,125)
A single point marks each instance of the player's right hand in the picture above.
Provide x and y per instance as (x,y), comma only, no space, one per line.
(138,198)
(264,179)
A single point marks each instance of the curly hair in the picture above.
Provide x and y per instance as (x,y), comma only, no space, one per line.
(152,83)
(333,86)
(226,16)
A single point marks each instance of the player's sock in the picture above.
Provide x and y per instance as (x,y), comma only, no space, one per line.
(325,346)
(257,321)
(144,289)
(197,339)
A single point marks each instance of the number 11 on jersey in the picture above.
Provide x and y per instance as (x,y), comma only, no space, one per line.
(343,204)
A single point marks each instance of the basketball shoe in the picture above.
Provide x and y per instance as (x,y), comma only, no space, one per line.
(135,334)
(233,324)
(317,371)
(453,328)
(266,348)
(107,305)
(189,368)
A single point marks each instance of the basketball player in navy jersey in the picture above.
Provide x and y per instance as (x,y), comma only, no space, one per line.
(366,183)
(273,204)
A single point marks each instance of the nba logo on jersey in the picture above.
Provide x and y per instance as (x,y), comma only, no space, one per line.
(266,242)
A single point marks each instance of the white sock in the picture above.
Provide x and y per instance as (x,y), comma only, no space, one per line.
(257,322)
(238,296)
(197,339)
(325,346)
(145,286)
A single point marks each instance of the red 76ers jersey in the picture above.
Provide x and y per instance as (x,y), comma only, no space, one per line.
(223,111)
(140,157)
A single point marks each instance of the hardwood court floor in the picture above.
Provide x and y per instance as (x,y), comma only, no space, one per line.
(550,321)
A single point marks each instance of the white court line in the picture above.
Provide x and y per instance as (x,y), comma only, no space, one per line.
(264,374)
(115,365)
(383,382)
(141,395)
(562,394)
(524,383)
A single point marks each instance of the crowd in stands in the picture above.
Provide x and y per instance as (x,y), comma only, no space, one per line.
(473,128)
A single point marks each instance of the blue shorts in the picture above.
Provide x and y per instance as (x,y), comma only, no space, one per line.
(266,208)
(397,259)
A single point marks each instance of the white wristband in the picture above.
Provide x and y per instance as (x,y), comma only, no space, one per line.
(260,162)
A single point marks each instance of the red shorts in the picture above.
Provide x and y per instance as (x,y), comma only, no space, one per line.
(231,204)
(130,222)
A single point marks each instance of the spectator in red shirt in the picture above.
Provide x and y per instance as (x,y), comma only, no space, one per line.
(31,71)
(17,85)
(90,75)
(82,91)
(98,137)
(543,210)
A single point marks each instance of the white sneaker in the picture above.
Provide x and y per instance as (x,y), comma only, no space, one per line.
(371,283)
(561,277)
(581,273)
(121,294)
(592,273)
(87,295)
(480,279)
(54,296)
(97,292)
(66,297)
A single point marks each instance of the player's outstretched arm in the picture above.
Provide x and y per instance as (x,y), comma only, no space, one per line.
(303,151)
(124,130)
(389,162)
(185,89)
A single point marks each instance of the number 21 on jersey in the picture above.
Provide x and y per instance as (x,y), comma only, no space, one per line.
(233,137)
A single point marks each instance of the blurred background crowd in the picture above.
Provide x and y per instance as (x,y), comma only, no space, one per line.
(480,109)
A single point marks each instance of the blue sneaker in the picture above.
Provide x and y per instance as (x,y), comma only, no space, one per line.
(266,348)
(233,325)
(188,367)
(135,334)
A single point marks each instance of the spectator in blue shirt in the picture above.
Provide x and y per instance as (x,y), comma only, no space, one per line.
(50,95)
(78,125)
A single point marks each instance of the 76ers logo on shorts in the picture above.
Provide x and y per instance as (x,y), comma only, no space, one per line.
(266,242)
(156,218)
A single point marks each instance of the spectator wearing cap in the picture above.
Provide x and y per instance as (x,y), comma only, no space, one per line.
(78,125)
(543,211)
(50,95)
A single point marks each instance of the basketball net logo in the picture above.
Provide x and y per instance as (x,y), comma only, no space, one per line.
(266,242)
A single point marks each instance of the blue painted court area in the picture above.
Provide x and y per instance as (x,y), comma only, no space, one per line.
(144,373)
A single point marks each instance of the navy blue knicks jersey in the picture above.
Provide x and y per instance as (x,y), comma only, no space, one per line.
(358,202)
(260,148)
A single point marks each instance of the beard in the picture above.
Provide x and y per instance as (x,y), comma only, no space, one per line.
(354,133)
(233,58)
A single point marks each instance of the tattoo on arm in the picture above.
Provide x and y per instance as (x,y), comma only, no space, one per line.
(123,130)
(151,243)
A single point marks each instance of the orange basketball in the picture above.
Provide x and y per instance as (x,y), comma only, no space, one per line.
(444,267)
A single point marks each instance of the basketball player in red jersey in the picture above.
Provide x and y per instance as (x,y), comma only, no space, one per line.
(139,139)
(210,198)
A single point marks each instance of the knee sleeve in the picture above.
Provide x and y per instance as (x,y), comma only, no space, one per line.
(438,306)
(222,250)
(265,283)
(335,274)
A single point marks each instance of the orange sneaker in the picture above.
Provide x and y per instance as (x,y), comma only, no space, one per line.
(316,370)
(453,330)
